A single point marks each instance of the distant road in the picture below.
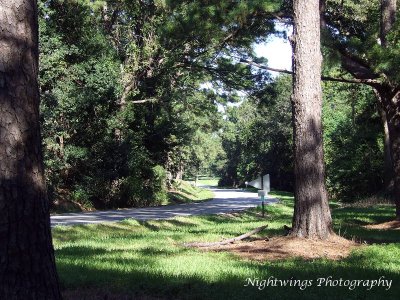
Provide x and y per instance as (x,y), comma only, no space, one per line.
(225,201)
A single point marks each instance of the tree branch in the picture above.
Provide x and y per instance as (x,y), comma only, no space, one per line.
(260,66)
(139,101)
(228,241)
(144,100)
(371,82)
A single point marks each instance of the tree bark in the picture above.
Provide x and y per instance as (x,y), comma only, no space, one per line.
(388,18)
(27,264)
(387,153)
(390,101)
(312,218)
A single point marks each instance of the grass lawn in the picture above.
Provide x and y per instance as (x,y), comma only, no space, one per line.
(184,192)
(210,181)
(204,181)
(146,258)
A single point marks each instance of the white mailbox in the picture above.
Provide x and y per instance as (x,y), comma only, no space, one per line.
(262,183)
(262,193)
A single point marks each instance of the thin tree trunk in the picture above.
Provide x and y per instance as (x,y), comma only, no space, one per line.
(387,153)
(387,110)
(390,104)
(27,265)
(394,130)
(388,18)
(312,218)
(179,173)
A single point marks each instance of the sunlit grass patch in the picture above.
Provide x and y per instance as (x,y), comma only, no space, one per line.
(184,192)
(213,182)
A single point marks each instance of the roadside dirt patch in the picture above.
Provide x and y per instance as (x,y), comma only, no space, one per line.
(394,225)
(284,247)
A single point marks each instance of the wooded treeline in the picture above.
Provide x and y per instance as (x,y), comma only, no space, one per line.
(124,107)
(137,93)
(258,139)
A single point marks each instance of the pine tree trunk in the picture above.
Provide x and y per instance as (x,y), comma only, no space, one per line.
(27,265)
(390,103)
(312,218)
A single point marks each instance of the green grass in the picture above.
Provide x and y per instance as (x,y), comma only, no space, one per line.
(184,192)
(205,181)
(137,258)
(209,181)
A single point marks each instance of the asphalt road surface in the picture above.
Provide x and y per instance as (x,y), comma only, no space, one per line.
(225,201)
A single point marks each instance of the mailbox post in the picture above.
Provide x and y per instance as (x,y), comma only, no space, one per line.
(263,184)
(262,194)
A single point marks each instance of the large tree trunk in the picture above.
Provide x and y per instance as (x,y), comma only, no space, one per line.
(390,101)
(312,218)
(27,266)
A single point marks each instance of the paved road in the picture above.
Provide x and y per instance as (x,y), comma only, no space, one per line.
(225,201)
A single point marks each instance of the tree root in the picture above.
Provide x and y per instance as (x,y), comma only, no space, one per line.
(227,241)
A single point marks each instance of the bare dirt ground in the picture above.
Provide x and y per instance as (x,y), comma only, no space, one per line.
(284,247)
(385,226)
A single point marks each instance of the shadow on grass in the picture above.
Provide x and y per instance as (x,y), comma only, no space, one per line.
(133,276)
(350,222)
(369,236)
(365,215)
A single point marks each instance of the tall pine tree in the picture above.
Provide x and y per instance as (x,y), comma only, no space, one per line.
(27,265)
(312,218)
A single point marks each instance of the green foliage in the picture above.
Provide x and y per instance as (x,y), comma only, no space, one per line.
(353,141)
(81,196)
(257,137)
(158,184)
(355,26)
(82,122)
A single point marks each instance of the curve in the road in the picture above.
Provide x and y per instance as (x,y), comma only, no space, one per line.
(224,201)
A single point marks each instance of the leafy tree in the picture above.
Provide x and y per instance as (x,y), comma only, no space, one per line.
(257,137)
(79,86)
(353,141)
(363,36)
